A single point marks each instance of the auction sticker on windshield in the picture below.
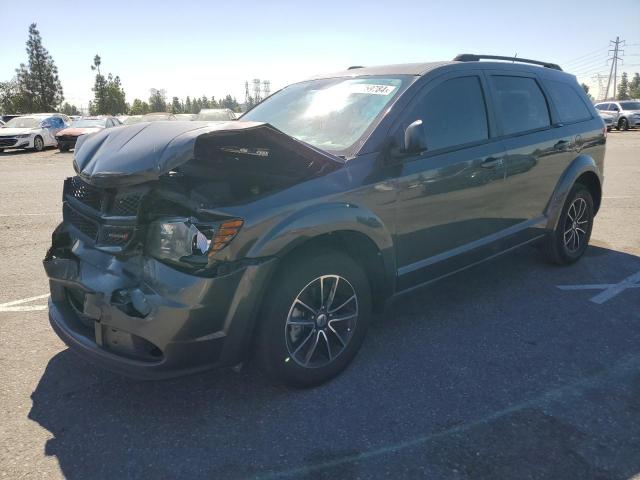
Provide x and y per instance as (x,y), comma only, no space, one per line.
(371,89)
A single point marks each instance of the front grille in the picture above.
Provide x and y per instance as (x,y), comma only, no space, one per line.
(126,205)
(67,138)
(82,191)
(7,142)
(86,226)
(115,236)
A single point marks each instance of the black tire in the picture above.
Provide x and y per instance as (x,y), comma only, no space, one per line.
(38,144)
(64,147)
(277,337)
(568,242)
(623,124)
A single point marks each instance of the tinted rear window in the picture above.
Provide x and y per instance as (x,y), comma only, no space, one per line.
(568,102)
(520,104)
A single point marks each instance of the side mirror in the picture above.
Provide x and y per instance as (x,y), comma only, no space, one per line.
(414,138)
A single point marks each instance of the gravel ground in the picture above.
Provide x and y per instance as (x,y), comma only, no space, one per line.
(491,373)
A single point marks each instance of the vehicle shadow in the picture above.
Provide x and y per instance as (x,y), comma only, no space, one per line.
(491,373)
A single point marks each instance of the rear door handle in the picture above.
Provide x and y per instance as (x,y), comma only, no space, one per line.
(491,162)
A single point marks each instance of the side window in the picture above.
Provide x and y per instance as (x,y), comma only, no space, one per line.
(454,113)
(613,107)
(570,106)
(520,104)
(602,106)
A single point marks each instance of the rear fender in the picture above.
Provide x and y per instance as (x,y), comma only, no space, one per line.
(580,165)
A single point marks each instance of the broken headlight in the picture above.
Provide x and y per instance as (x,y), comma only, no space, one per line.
(185,240)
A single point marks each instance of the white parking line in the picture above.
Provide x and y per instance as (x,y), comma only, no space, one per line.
(609,290)
(15,305)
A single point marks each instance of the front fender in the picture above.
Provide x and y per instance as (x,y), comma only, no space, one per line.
(316,220)
(579,166)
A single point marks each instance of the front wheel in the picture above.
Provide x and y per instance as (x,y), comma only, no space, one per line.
(315,318)
(568,242)
(38,144)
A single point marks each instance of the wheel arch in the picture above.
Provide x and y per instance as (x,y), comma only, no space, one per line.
(583,169)
(344,227)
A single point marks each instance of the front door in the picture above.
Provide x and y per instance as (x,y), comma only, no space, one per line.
(450,196)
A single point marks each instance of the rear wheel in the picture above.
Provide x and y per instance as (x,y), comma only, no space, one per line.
(568,242)
(315,318)
(64,147)
(38,144)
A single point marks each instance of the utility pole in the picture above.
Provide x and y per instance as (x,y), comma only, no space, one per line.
(613,73)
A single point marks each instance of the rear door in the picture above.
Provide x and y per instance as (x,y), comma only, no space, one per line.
(538,150)
(450,195)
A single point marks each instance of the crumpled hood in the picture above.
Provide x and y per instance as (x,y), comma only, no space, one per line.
(143,152)
(77,131)
(10,132)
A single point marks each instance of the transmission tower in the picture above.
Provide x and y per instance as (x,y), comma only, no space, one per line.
(266,88)
(613,73)
(257,97)
(247,97)
(598,77)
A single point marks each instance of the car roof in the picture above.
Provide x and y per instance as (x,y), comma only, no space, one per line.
(394,69)
(421,69)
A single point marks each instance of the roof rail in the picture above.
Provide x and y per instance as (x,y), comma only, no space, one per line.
(353,67)
(470,57)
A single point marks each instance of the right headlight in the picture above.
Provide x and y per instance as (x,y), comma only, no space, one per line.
(186,240)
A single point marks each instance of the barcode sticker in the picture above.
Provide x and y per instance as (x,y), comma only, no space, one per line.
(371,89)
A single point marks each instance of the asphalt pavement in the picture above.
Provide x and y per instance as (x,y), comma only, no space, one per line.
(512,369)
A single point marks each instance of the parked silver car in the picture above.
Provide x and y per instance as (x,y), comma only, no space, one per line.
(35,131)
(626,113)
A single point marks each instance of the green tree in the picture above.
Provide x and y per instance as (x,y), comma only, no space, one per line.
(176,106)
(204,102)
(634,86)
(138,107)
(109,96)
(11,99)
(195,106)
(623,88)
(187,105)
(38,82)
(230,102)
(585,87)
(157,100)
(68,109)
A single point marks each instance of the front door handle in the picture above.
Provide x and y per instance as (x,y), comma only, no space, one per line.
(491,162)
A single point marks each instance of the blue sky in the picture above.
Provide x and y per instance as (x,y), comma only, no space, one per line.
(211,48)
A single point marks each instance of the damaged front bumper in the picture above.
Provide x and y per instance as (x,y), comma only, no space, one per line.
(144,319)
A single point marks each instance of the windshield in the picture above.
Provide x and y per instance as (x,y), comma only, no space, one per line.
(156,117)
(84,123)
(630,105)
(132,120)
(23,122)
(215,115)
(331,114)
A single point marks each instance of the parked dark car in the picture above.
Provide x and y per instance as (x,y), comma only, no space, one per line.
(187,245)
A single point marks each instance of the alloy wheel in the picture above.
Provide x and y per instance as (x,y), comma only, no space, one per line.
(576,225)
(38,144)
(321,321)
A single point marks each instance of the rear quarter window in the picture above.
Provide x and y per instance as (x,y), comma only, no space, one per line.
(571,108)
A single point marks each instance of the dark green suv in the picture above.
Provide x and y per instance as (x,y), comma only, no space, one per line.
(187,245)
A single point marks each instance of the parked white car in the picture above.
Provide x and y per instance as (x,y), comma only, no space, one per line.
(35,131)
